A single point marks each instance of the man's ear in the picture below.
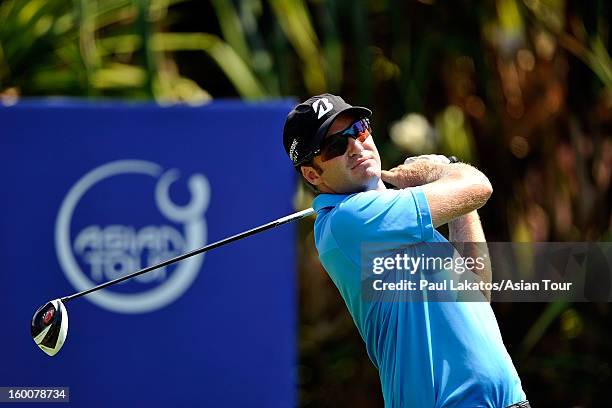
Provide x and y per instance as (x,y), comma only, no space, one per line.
(312,175)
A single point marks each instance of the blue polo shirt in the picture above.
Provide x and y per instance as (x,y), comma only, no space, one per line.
(429,354)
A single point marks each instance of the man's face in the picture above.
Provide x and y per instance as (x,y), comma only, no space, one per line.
(358,169)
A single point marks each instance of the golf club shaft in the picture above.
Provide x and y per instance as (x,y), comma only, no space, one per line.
(293,217)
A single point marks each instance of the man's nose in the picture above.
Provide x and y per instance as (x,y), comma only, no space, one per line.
(355,147)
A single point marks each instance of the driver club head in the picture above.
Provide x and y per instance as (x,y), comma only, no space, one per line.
(50,327)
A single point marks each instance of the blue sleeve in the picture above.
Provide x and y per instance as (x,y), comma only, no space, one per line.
(383,216)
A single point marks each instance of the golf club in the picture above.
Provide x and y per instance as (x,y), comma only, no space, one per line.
(49,326)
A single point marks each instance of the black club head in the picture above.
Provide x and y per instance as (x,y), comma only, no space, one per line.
(50,327)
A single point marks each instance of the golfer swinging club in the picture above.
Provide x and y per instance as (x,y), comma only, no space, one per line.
(429,354)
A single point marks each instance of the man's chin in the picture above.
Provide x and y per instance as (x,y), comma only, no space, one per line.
(371,172)
(370,182)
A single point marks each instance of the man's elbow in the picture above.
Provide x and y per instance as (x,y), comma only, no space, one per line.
(478,182)
(481,190)
(487,189)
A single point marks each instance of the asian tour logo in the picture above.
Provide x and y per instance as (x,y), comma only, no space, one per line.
(98,253)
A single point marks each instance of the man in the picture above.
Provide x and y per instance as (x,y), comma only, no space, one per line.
(428,353)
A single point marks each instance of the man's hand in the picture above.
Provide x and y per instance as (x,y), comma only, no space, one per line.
(436,158)
(416,171)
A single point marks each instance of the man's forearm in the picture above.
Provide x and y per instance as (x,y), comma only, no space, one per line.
(421,172)
(452,190)
(468,237)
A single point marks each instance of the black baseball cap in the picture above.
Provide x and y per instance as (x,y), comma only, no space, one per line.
(308,123)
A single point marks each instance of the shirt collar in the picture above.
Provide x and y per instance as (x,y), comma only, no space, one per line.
(327,200)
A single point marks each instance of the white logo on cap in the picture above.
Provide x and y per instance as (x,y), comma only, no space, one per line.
(292,151)
(324,108)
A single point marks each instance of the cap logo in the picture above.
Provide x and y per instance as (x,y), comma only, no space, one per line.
(322,106)
(292,151)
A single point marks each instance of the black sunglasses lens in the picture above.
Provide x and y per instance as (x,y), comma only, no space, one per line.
(335,145)
(334,148)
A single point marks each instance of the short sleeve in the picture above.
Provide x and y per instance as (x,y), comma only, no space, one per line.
(383,216)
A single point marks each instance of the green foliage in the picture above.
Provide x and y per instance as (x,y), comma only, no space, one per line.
(50,47)
(119,48)
(106,48)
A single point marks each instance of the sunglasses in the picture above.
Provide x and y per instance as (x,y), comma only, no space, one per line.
(335,144)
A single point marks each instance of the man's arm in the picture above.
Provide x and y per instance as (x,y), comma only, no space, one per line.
(466,234)
(452,190)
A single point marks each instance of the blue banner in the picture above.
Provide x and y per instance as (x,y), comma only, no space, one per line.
(92,192)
